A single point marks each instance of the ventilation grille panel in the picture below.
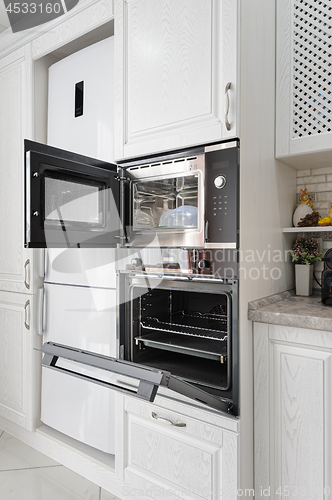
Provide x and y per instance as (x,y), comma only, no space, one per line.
(312,67)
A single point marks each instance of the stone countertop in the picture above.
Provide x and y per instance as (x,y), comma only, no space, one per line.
(287,309)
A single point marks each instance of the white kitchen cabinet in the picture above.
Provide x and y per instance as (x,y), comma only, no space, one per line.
(175,451)
(16,271)
(173,61)
(304,84)
(293,412)
(19,362)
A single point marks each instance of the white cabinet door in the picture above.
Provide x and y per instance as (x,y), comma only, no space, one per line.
(293,413)
(19,362)
(15,126)
(304,83)
(190,459)
(173,61)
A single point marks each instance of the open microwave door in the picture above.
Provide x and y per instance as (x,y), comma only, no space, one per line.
(70,200)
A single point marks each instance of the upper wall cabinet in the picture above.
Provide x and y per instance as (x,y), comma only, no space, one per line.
(304,83)
(175,74)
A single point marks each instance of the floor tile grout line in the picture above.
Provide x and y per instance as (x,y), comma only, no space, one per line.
(32,468)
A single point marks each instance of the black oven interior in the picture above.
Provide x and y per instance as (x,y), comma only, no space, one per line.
(185,332)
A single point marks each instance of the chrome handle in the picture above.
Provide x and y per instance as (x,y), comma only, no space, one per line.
(227,124)
(41,263)
(206,236)
(27,263)
(157,417)
(27,326)
(40,311)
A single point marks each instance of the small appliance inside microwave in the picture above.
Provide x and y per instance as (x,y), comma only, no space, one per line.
(186,198)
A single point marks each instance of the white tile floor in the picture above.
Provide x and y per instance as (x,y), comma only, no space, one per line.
(26,474)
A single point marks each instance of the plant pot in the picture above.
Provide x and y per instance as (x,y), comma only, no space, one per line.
(303,279)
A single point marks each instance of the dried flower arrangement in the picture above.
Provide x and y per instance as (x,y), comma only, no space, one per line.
(306,251)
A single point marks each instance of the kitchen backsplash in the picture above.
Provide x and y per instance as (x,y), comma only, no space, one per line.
(319,182)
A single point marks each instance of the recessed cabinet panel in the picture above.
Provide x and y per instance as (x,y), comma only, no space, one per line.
(173,63)
(14,117)
(17,371)
(299,419)
(293,441)
(170,455)
(169,62)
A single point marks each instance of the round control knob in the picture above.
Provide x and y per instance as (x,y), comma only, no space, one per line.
(136,262)
(220,181)
(204,264)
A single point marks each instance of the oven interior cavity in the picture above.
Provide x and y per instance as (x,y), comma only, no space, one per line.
(186,333)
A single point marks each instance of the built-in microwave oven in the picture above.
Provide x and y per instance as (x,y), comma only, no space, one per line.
(186,198)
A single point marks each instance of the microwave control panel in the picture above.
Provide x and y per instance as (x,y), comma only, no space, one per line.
(221,191)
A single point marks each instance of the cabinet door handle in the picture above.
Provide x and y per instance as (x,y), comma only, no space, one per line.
(40,310)
(26,305)
(228,86)
(41,263)
(27,263)
(157,417)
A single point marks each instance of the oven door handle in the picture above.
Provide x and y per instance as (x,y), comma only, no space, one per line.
(149,378)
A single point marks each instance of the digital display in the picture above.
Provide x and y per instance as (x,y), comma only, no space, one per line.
(217,165)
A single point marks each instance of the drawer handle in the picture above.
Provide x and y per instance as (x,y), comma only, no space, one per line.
(157,417)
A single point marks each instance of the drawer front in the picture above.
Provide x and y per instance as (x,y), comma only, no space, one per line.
(163,460)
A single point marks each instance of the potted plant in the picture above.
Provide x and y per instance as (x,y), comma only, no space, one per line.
(304,253)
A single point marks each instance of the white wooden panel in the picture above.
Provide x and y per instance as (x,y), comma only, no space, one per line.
(15,125)
(168,62)
(283,77)
(315,338)
(13,356)
(196,461)
(172,62)
(261,407)
(164,454)
(303,90)
(298,412)
(230,467)
(72,28)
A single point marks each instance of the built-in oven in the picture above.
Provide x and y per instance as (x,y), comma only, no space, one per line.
(180,332)
(187,325)
(185,199)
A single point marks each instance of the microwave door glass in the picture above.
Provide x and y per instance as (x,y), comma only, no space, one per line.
(70,201)
(74,203)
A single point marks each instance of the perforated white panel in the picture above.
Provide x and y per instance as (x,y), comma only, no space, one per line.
(312,67)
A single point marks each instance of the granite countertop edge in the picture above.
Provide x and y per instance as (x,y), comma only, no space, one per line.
(287,309)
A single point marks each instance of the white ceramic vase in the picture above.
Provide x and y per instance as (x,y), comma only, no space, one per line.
(303,279)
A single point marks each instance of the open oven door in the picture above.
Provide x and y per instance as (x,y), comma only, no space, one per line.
(149,378)
(70,200)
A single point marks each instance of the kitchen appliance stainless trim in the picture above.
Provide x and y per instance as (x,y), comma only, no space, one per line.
(185,199)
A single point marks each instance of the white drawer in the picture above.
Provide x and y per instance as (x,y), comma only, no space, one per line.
(161,460)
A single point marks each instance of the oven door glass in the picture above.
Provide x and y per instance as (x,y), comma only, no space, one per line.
(71,200)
